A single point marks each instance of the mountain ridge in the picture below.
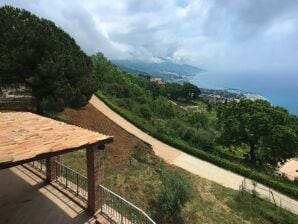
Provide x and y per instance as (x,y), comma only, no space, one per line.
(167,70)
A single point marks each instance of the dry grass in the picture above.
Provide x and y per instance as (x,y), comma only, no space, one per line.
(133,171)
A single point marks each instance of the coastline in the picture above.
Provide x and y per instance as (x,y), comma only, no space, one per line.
(279,91)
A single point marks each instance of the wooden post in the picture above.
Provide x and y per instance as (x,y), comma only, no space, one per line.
(50,169)
(95,174)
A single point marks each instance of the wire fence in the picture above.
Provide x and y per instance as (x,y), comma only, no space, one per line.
(268,194)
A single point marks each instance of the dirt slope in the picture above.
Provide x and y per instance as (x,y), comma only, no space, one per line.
(90,118)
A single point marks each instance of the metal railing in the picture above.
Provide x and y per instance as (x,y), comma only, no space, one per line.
(118,209)
(72,180)
(269,195)
(39,165)
(121,210)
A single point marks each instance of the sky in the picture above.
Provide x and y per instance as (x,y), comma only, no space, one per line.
(211,34)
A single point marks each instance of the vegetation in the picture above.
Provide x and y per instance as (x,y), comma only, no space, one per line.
(35,52)
(268,131)
(194,131)
(140,179)
(186,91)
(252,208)
(174,193)
(277,182)
(133,171)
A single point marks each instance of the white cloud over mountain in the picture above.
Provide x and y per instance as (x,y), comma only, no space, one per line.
(213,34)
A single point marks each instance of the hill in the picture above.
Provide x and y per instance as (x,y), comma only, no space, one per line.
(167,70)
(133,171)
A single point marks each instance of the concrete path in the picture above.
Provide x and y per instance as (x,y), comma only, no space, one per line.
(192,164)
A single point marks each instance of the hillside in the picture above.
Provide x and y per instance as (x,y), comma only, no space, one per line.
(174,114)
(167,70)
(132,170)
(247,137)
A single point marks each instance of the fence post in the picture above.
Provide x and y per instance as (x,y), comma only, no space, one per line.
(273,198)
(77,183)
(121,213)
(56,167)
(66,177)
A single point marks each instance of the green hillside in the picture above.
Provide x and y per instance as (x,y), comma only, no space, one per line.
(175,114)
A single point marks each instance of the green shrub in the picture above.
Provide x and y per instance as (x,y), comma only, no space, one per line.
(203,139)
(116,90)
(198,120)
(175,191)
(163,108)
(144,112)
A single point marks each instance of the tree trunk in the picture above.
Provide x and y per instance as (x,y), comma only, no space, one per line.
(252,154)
(39,109)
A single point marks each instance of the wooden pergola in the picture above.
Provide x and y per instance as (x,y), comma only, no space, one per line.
(27,137)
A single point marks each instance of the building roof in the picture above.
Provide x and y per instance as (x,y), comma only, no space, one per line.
(25,136)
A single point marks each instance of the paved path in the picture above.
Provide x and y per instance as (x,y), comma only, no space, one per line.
(192,164)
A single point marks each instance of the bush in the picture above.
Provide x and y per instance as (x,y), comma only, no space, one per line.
(144,112)
(203,139)
(163,108)
(175,191)
(175,124)
(116,90)
(198,120)
(287,187)
(186,133)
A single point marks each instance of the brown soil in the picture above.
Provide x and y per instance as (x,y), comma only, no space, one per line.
(90,118)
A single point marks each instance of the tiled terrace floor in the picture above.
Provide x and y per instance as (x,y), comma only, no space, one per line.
(25,198)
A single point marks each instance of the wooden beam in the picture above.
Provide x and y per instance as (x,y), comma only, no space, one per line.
(51,154)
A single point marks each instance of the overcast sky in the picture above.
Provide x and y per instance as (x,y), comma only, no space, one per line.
(212,34)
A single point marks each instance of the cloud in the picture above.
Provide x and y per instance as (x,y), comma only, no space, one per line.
(213,34)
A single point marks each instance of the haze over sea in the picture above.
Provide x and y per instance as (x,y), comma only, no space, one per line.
(280,88)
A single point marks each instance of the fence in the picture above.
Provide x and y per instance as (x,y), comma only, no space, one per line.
(72,180)
(40,165)
(121,210)
(266,193)
(111,204)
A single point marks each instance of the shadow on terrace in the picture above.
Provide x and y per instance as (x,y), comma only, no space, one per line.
(37,188)
(26,198)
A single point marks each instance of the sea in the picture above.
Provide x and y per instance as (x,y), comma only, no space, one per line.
(280,88)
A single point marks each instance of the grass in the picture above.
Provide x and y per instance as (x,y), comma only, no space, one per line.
(139,180)
(280,184)
(251,208)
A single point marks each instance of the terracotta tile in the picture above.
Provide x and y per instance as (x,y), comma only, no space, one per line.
(24,135)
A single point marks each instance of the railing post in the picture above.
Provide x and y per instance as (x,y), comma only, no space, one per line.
(56,167)
(66,177)
(121,212)
(77,183)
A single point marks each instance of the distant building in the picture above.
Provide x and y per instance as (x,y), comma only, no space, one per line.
(157,80)
(212,99)
(16,97)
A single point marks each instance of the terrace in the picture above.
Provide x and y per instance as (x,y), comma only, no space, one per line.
(36,187)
